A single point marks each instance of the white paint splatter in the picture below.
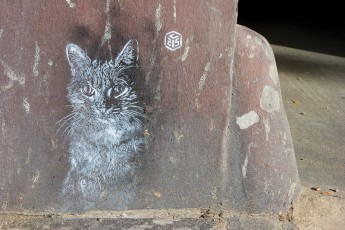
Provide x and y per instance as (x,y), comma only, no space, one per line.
(13,76)
(37,59)
(273,73)
(158,18)
(201,83)
(269,99)
(244,167)
(50,62)
(70,3)
(247,120)
(175,10)
(158,27)
(26,105)
(267,127)
(202,80)
(249,36)
(107,28)
(1,31)
(186,51)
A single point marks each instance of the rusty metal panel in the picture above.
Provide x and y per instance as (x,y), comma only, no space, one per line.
(269,170)
(193,151)
(184,91)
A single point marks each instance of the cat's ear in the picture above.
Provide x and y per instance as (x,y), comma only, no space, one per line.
(77,58)
(128,57)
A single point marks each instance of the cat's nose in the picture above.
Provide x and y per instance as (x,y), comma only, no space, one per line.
(110,103)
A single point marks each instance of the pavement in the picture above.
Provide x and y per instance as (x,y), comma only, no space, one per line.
(313,90)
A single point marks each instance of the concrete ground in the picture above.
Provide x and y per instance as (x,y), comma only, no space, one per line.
(313,89)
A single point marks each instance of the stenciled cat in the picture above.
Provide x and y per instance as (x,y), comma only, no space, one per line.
(104,131)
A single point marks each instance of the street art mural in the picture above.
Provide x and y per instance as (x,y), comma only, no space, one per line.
(104,130)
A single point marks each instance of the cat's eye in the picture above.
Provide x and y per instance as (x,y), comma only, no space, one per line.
(117,91)
(88,91)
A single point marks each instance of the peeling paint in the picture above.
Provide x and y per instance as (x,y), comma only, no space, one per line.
(244,167)
(26,105)
(13,76)
(247,120)
(270,100)
(37,59)
(273,73)
(70,3)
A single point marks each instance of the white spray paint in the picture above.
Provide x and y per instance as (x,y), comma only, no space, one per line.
(37,59)
(175,14)
(247,120)
(270,100)
(201,83)
(158,27)
(105,135)
(202,80)
(70,3)
(107,28)
(158,19)
(1,31)
(186,50)
(13,76)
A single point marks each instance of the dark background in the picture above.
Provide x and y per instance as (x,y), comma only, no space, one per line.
(307,25)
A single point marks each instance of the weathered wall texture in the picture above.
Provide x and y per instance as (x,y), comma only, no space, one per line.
(200,141)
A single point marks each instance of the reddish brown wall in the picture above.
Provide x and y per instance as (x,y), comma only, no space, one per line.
(193,155)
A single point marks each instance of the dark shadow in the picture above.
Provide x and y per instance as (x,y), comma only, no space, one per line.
(313,26)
